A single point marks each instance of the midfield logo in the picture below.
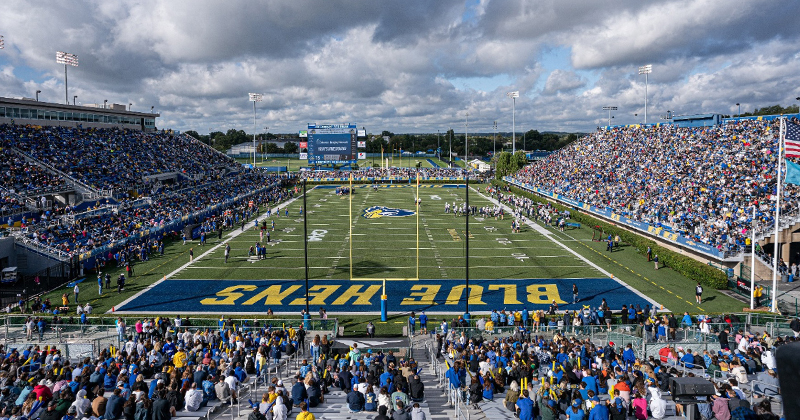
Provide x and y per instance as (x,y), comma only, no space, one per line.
(375,212)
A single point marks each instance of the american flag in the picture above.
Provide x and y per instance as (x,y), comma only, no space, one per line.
(792,140)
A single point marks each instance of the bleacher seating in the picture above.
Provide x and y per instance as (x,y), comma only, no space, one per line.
(701,182)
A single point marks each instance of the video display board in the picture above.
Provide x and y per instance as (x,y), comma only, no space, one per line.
(332,144)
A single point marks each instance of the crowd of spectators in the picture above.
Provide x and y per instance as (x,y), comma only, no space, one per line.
(567,374)
(26,178)
(93,232)
(164,366)
(701,182)
(113,158)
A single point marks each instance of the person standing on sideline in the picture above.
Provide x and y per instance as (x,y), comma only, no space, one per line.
(76,290)
(655,260)
(649,254)
(100,284)
(574,293)
(757,293)
(227,252)
(191,254)
(698,293)
(371,330)
(610,245)
(423,323)
(412,322)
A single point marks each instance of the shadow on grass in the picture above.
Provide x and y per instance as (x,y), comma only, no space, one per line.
(366,269)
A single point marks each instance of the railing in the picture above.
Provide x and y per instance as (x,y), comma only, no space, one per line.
(40,248)
(240,324)
(79,185)
(768,390)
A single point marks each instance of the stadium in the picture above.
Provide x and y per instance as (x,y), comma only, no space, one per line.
(326,270)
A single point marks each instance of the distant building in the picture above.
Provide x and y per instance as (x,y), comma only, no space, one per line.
(30,111)
(247,147)
(480,165)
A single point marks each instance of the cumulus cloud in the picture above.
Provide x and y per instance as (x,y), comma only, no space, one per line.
(562,81)
(392,64)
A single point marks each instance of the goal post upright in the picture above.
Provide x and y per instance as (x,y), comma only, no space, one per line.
(350,206)
(384,279)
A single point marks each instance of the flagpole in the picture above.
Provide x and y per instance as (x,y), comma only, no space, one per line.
(776,244)
(753,259)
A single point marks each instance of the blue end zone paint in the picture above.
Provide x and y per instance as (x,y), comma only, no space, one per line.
(363,296)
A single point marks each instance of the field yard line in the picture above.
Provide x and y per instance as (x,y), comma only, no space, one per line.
(546,233)
(229,237)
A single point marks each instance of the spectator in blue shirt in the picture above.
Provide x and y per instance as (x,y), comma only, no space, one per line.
(423,322)
(411,324)
(525,406)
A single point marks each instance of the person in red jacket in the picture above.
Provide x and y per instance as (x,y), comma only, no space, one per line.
(43,393)
(663,354)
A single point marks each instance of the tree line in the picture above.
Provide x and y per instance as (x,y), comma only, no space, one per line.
(480,144)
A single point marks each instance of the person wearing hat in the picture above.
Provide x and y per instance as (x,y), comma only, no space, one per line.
(575,411)
(599,411)
(72,412)
(549,409)
(51,413)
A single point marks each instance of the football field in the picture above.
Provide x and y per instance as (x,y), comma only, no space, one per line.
(414,256)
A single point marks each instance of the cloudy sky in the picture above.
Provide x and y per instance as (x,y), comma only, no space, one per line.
(405,65)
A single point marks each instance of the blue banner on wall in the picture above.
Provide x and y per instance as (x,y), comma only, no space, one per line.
(363,296)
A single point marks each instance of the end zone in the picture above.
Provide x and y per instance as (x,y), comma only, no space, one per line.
(287,297)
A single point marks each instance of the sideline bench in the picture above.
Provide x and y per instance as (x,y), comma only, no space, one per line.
(573,225)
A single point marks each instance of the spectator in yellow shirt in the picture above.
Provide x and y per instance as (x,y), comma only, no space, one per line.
(179,360)
(489,327)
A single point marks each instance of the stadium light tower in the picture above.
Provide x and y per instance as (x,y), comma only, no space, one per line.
(494,144)
(450,163)
(67,60)
(466,140)
(255,97)
(609,109)
(74,98)
(645,70)
(513,95)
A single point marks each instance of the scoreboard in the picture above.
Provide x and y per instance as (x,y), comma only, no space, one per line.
(332,144)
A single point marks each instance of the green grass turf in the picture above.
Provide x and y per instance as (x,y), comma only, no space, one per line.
(441,255)
(387,248)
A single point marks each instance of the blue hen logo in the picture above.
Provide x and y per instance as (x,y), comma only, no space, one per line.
(375,212)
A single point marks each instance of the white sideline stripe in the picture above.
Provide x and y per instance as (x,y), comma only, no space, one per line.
(327,267)
(549,235)
(230,236)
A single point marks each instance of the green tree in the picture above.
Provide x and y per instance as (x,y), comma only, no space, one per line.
(503,165)
(290,147)
(272,148)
